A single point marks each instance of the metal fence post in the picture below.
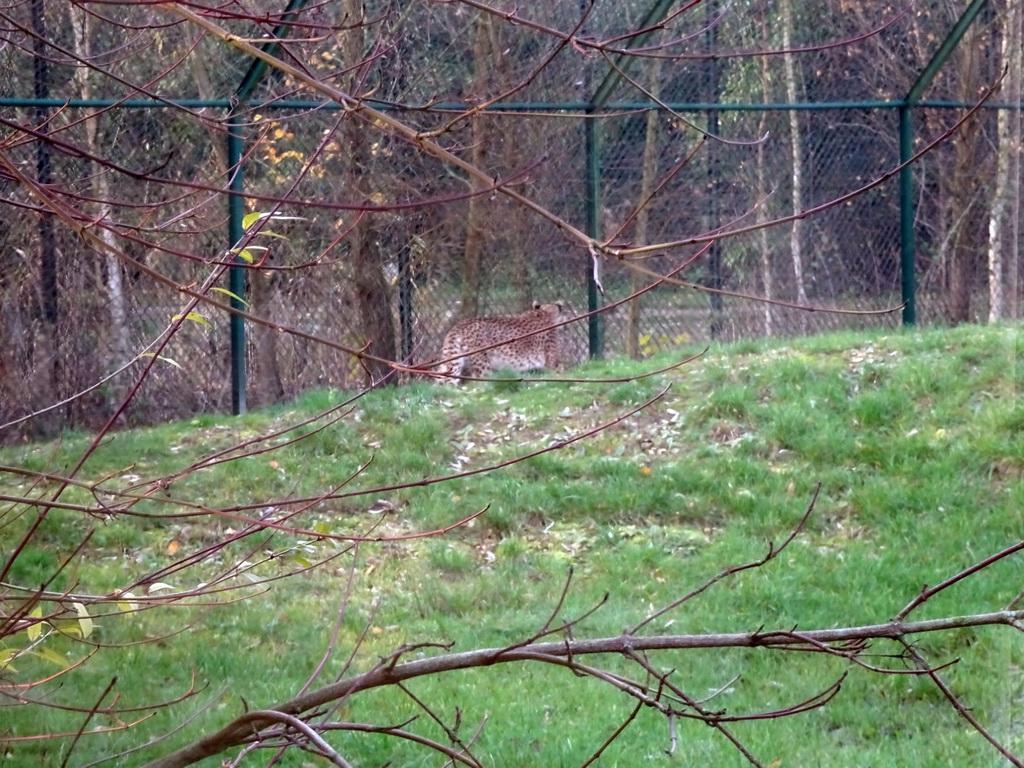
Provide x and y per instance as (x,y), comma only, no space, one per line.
(907,259)
(236,144)
(908,278)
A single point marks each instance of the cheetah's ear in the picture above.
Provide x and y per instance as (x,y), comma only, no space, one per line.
(536,305)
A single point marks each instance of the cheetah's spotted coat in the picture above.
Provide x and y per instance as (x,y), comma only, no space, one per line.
(542,350)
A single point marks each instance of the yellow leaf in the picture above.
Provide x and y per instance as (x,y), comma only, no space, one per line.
(194,316)
(126,605)
(251,218)
(233,295)
(34,630)
(84,622)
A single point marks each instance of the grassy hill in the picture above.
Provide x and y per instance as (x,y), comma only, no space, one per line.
(916,441)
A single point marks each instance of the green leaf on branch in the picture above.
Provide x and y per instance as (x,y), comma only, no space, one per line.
(233,295)
(251,218)
(194,316)
(246,253)
(35,629)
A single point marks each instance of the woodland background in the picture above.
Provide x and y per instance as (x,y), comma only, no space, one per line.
(131,130)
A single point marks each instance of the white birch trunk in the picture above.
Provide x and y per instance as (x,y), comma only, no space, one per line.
(796,233)
(1002,226)
(120,346)
(768,284)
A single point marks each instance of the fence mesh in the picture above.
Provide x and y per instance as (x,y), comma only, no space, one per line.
(379,222)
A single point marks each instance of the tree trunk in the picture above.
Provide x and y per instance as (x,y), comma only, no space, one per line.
(267,385)
(1003,225)
(647,180)
(49,298)
(796,140)
(767,283)
(373,304)
(475,223)
(117,306)
(997,221)
(963,191)
(469,305)
(375,329)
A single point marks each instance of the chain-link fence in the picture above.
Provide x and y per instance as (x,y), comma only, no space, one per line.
(394,244)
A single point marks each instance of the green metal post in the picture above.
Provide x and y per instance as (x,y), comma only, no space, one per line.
(236,208)
(604,90)
(908,277)
(236,212)
(908,259)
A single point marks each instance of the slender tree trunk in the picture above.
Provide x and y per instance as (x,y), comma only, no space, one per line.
(48,369)
(1002,223)
(117,308)
(475,224)
(647,181)
(767,283)
(796,140)
(469,306)
(268,385)
(965,245)
(376,329)
(44,172)
(997,223)
(49,299)
(373,302)
(1015,61)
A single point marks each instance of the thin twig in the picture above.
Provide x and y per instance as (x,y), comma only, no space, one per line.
(958,705)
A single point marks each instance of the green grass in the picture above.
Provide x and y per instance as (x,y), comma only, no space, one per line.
(916,440)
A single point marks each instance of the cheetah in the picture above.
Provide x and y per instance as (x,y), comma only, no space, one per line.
(542,350)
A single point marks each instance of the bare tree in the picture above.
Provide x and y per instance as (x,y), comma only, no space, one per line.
(796,141)
(155,222)
(1003,250)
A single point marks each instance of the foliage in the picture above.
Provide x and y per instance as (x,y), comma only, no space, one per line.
(316,559)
